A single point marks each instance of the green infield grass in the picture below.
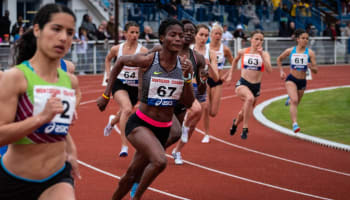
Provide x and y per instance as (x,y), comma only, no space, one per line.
(324,114)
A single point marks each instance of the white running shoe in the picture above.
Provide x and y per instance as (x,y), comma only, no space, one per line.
(123,151)
(108,129)
(178,159)
(206,139)
(184,135)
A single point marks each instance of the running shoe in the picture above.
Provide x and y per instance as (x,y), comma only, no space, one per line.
(108,129)
(233,128)
(178,159)
(244,135)
(206,139)
(296,128)
(123,151)
(287,101)
(133,190)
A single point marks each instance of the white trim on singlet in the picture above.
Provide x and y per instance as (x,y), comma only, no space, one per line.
(120,50)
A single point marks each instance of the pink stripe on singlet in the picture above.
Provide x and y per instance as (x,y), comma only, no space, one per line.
(152,121)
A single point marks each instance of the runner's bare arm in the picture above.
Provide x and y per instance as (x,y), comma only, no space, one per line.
(112,53)
(313,64)
(11,131)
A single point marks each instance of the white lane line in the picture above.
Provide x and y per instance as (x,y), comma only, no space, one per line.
(252,181)
(275,157)
(118,177)
(258,152)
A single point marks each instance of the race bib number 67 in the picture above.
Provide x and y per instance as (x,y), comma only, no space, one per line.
(164,91)
(60,123)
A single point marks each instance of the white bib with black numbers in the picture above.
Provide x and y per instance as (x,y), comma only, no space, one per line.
(60,123)
(252,62)
(164,91)
(299,61)
(129,76)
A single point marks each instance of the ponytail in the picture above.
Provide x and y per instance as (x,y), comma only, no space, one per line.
(25,47)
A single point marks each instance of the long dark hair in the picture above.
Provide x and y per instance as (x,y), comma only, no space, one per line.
(25,46)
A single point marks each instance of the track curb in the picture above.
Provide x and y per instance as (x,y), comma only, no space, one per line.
(257,112)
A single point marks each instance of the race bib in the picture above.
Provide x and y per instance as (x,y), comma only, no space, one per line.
(252,62)
(60,123)
(129,75)
(220,59)
(299,61)
(164,91)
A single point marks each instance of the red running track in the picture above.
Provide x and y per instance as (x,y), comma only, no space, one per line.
(268,165)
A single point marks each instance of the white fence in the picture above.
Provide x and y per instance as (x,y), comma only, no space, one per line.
(92,61)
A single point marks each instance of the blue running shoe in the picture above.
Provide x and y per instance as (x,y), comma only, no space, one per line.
(287,101)
(133,189)
(296,128)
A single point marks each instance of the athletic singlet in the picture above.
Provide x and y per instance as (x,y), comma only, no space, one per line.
(299,61)
(252,61)
(219,54)
(162,88)
(33,101)
(129,75)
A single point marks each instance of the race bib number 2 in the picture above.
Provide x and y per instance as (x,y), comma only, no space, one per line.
(60,123)
(164,91)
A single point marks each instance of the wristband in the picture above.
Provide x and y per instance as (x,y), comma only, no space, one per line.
(200,78)
(104,96)
(189,77)
(188,81)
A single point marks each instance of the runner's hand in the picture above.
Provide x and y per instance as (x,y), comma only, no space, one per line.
(102,103)
(53,107)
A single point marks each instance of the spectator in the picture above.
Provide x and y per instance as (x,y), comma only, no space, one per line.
(248,14)
(338,27)
(5,24)
(16,27)
(328,45)
(291,29)
(284,28)
(18,35)
(111,27)
(82,46)
(170,6)
(239,33)
(6,38)
(147,34)
(89,27)
(330,31)
(226,35)
(100,33)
